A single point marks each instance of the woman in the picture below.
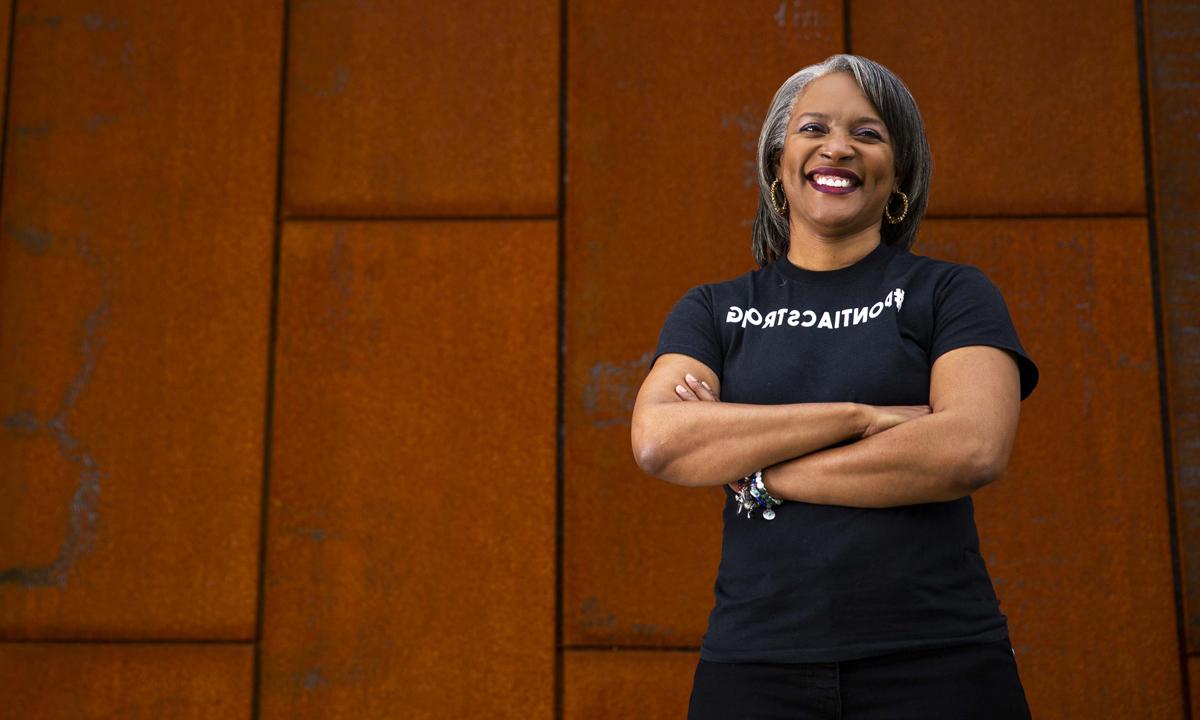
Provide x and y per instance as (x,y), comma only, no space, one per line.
(875,390)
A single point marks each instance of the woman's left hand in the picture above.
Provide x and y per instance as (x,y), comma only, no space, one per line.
(694,388)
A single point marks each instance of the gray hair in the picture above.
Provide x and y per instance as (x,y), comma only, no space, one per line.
(898,110)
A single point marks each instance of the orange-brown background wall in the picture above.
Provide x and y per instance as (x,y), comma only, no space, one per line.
(322,321)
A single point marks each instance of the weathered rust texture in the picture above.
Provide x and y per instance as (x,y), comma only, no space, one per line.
(1075,535)
(664,109)
(643,684)
(1173,64)
(130,681)
(135,270)
(1193,670)
(1031,107)
(412,503)
(416,108)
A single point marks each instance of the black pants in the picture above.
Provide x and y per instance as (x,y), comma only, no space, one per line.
(977,681)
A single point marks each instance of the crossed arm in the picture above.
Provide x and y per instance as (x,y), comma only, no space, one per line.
(901,455)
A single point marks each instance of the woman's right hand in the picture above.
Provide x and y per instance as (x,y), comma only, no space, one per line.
(882,417)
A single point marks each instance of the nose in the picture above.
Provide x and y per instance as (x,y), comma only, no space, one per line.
(837,145)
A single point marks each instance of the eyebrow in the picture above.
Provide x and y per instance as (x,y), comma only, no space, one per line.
(863,119)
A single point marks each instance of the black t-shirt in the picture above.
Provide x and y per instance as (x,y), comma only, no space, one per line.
(827,583)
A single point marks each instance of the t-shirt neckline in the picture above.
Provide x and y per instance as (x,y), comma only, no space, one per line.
(879,254)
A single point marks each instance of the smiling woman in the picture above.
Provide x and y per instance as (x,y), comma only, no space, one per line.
(854,395)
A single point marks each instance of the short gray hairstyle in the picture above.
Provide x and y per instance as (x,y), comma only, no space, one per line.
(898,110)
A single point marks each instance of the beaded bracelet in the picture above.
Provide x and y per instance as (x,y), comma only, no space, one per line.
(752,493)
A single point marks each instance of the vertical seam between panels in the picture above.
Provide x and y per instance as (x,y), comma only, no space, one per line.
(560,361)
(272,335)
(8,77)
(1160,350)
(846,30)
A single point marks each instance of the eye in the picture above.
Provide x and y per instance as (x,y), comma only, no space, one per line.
(868,132)
(810,127)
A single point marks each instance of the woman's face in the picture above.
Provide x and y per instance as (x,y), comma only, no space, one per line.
(837,164)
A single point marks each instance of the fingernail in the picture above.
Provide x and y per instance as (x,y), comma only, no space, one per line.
(690,377)
(681,389)
(706,387)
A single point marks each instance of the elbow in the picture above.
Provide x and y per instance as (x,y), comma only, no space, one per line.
(653,454)
(647,454)
(647,446)
(985,465)
(652,460)
(659,453)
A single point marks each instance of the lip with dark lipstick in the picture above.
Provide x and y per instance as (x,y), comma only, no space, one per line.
(854,180)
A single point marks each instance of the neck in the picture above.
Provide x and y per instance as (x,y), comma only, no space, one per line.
(818,252)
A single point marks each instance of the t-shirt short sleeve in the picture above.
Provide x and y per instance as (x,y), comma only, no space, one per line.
(969,310)
(690,329)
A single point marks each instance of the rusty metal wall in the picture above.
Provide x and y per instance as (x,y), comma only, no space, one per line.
(410,553)
(130,681)
(422,109)
(135,272)
(1173,68)
(409,261)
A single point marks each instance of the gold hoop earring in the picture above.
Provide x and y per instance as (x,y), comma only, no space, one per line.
(778,209)
(893,219)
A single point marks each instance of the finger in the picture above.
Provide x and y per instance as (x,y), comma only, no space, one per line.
(684,393)
(700,388)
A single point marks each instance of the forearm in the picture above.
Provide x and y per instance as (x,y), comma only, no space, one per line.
(934,458)
(701,444)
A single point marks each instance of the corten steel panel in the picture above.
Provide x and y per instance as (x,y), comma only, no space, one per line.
(634,684)
(1193,667)
(1173,34)
(129,681)
(664,112)
(1031,107)
(412,515)
(135,273)
(415,108)
(1075,534)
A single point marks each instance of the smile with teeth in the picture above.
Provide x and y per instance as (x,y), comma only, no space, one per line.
(832,181)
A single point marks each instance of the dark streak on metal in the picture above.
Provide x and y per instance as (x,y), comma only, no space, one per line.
(560,356)
(341,273)
(312,679)
(95,21)
(595,619)
(609,395)
(34,130)
(1169,73)
(84,521)
(265,582)
(96,122)
(35,242)
(1161,242)
(748,122)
